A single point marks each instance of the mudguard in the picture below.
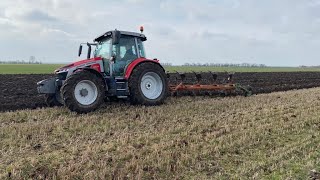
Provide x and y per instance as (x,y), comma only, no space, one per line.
(133,64)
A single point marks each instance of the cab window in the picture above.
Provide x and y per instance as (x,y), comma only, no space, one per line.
(141,48)
(103,49)
(125,52)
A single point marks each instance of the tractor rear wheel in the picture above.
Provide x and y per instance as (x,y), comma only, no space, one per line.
(148,85)
(83,92)
(53,100)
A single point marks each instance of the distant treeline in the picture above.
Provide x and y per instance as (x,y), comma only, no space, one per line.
(20,62)
(302,66)
(32,60)
(219,64)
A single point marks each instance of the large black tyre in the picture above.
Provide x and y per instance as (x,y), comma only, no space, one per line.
(137,78)
(51,100)
(74,98)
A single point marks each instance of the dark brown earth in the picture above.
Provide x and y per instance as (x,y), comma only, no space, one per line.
(19,91)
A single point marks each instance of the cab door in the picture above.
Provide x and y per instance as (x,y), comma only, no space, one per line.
(103,50)
(125,52)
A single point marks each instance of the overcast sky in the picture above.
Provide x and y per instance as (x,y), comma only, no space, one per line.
(272,32)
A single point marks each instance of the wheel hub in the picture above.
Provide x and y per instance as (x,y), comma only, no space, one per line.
(148,85)
(83,92)
(86,92)
(151,85)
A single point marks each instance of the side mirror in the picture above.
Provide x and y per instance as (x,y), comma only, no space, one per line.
(113,58)
(116,37)
(80,50)
(89,51)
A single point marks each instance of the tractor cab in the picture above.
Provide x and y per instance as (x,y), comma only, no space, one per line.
(117,50)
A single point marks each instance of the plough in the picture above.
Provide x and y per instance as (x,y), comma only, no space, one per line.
(214,87)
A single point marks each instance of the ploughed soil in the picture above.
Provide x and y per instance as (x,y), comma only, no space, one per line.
(20,91)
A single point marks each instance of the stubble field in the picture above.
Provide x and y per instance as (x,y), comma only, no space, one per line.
(273,136)
(265,136)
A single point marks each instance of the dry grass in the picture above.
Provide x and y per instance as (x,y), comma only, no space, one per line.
(265,136)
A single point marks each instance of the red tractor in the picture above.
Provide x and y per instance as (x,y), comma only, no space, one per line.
(118,69)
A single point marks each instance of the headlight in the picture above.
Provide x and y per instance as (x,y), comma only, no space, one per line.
(62,75)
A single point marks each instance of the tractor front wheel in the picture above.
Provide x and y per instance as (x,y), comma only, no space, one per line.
(148,84)
(83,92)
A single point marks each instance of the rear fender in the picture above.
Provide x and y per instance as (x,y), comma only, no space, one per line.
(136,62)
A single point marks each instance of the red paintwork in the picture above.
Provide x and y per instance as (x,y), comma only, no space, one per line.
(134,63)
(77,63)
(86,61)
(96,67)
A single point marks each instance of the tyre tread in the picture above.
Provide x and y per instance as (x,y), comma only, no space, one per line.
(136,96)
(68,91)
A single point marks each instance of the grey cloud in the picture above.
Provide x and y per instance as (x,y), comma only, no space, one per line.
(39,16)
(6,24)
(203,30)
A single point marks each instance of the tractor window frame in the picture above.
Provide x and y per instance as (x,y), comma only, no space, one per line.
(120,51)
(140,48)
(99,47)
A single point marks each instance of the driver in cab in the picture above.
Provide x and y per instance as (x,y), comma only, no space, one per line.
(128,56)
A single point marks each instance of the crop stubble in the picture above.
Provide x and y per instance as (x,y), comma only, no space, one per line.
(273,136)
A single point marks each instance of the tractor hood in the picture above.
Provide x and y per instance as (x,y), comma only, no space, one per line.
(78,64)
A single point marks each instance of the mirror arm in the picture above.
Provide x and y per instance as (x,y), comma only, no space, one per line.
(89,51)
(80,50)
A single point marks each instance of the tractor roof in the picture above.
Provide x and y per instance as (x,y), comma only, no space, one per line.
(127,33)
